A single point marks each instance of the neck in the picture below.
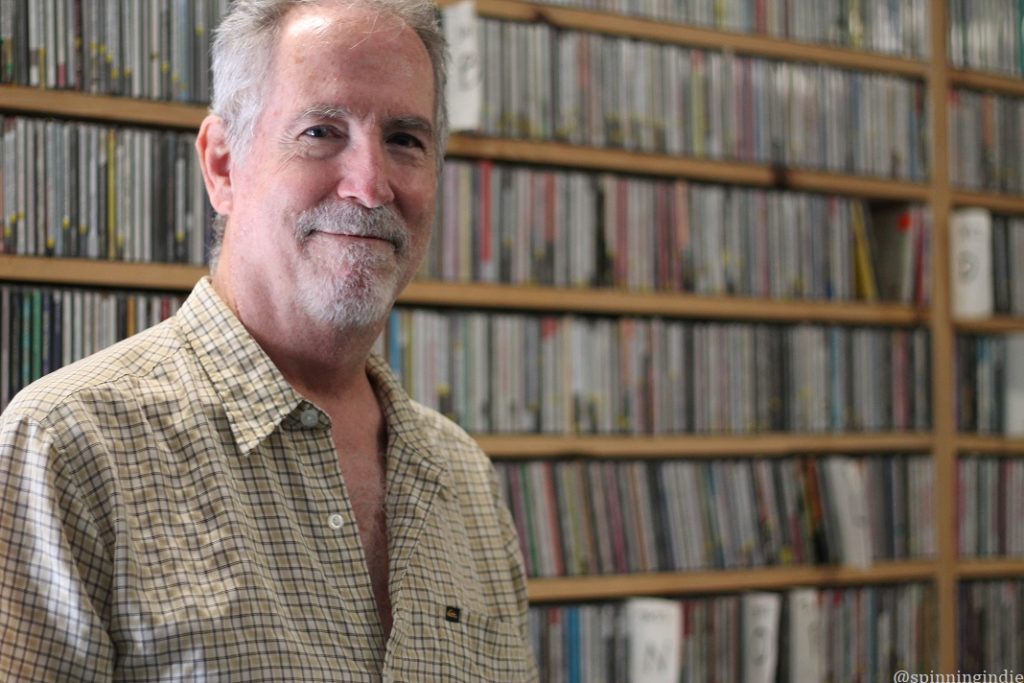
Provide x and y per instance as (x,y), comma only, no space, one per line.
(327,365)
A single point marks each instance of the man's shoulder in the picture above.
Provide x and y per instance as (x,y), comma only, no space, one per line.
(445,433)
(463,456)
(102,376)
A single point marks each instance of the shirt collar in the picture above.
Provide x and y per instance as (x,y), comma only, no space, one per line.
(257,398)
(253,392)
(413,441)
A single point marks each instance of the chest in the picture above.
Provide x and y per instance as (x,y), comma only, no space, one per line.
(362,465)
(252,540)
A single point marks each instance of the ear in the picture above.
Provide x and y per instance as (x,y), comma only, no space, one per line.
(215,160)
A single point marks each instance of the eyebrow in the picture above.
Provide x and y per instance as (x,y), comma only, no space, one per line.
(335,113)
(322,111)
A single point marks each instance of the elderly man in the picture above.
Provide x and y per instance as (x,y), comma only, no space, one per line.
(243,493)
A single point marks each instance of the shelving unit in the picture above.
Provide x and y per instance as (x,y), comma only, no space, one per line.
(578,588)
(993,445)
(946,569)
(697,446)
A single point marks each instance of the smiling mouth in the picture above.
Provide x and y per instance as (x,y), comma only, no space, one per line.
(345,235)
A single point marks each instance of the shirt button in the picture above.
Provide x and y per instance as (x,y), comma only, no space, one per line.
(335,521)
(309,418)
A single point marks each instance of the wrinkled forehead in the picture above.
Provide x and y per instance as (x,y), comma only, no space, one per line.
(340,26)
(324,44)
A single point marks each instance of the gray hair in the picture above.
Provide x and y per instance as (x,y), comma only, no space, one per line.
(242,56)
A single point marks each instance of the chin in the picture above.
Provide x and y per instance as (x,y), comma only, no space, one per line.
(349,304)
(357,293)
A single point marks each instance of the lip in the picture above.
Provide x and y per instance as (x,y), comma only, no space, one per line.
(351,236)
(347,236)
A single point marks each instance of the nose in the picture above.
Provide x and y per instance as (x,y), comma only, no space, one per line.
(365,176)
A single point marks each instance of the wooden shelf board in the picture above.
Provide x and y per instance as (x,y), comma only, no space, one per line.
(669,304)
(722,581)
(690,446)
(886,189)
(97,273)
(989,445)
(990,569)
(1000,324)
(1000,203)
(548,153)
(980,80)
(691,36)
(181,278)
(72,104)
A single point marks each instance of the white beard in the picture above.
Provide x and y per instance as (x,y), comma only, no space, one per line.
(354,286)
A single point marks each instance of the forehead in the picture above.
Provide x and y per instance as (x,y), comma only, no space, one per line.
(330,49)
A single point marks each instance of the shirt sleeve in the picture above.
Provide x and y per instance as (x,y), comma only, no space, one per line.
(54,572)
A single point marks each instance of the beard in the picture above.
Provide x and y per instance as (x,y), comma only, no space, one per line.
(353,285)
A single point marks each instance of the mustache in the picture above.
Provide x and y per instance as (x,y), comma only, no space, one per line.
(343,218)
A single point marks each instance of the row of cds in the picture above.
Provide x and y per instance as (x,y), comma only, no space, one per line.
(991,636)
(93,191)
(607,91)
(566,374)
(157,49)
(875,25)
(523,225)
(1008,265)
(990,383)
(805,635)
(45,328)
(986,35)
(84,190)
(579,518)
(990,506)
(986,141)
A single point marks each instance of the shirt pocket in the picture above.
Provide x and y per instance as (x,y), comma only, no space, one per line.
(467,646)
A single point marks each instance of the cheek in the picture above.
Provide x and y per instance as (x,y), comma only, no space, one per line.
(419,200)
(425,200)
(422,227)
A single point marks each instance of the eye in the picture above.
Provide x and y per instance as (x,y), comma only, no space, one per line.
(406,140)
(320,132)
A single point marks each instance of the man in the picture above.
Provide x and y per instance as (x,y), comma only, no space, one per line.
(243,493)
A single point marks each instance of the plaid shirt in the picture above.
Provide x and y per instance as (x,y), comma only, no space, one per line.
(171,509)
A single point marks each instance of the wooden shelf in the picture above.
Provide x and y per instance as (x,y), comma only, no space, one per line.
(995,325)
(999,203)
(690,36)
(617,302)
(125,110)
(645,163)
(722,581)
(693,446)
(989,445)
(97,273)
(990,569)
(979,80)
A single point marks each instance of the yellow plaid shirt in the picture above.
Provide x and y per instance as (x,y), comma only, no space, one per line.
(171,509)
